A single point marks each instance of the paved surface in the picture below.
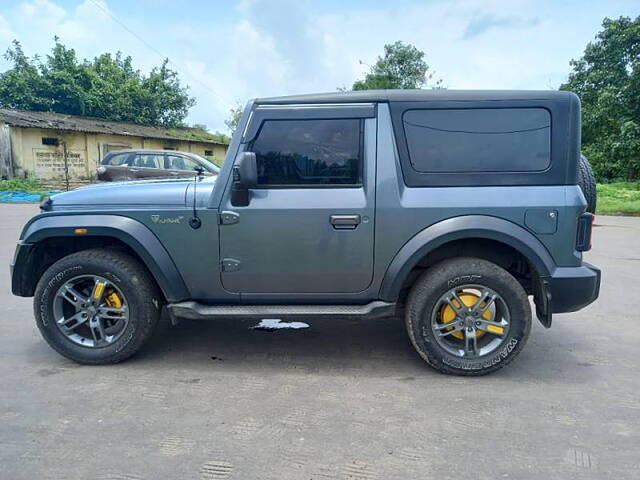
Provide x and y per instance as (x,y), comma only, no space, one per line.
(336,400)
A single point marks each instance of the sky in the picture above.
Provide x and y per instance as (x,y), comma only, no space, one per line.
(231,51)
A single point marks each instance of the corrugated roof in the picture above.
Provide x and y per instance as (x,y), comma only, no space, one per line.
(59,121)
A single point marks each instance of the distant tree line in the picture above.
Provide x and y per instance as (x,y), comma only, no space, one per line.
(607,79)
(106,87)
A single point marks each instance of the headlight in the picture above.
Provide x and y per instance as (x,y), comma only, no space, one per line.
(101,169)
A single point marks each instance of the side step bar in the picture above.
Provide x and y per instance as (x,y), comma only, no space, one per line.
(199,311)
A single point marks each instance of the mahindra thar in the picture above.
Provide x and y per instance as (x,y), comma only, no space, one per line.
(448,209)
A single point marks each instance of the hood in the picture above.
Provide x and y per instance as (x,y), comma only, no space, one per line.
(165,192)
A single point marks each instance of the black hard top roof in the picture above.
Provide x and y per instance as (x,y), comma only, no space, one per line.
(417,96)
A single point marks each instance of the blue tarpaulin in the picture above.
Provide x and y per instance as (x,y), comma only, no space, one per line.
(20,196)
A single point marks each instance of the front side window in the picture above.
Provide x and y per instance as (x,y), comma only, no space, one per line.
(309,153)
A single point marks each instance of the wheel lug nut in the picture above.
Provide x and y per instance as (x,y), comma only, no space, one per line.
(477,324)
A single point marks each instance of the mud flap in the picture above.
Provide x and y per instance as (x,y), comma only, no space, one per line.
(542,300)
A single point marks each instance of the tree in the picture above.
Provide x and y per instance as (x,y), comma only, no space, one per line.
(234,117)
(402,66)
(607,79)
(107,87)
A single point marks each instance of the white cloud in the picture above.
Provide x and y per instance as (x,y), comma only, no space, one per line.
(41,12)
(6,34)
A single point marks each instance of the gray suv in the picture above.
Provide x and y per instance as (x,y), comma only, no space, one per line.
(448,209)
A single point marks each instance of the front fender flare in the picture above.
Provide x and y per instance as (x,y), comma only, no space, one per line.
(131,232)
(457,228)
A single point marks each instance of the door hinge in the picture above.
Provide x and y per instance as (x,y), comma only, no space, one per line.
(229,218)
(230,265)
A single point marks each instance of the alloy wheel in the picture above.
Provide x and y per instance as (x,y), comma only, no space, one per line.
(470,321)
(91,311)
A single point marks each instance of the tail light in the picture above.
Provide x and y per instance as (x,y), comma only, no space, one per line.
(583,238)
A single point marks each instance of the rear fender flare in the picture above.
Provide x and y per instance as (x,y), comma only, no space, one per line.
(131,232)
(457,228)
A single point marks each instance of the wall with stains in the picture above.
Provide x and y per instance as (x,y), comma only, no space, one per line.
(56,157)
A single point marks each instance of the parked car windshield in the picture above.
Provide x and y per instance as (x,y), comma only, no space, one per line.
(212,166)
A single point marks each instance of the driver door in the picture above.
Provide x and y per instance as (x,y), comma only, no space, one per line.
(309,225)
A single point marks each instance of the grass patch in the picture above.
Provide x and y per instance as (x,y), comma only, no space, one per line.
(16,187)
(29,185)
(198,134)
(619,198)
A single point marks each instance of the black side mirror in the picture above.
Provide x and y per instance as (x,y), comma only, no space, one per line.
(245,171)
(245,177)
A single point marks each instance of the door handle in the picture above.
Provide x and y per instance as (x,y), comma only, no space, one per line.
(345,222)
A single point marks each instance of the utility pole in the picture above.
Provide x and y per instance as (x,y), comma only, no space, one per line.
(66,164)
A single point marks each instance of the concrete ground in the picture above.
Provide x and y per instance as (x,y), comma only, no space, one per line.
(337,400)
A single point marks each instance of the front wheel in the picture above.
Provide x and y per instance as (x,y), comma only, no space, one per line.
(97,306)
(468,316)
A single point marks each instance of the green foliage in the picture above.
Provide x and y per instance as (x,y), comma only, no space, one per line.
(220,137)
(21,184)
(234,117)
(619,198)
(402,66)
(607,79)
(199,134)
(107,87)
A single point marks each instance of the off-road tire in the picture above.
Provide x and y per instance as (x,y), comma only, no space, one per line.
(131,277)
(587,182)
(440,278)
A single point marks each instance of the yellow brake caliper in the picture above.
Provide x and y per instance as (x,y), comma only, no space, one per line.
(447,314)
(113,299)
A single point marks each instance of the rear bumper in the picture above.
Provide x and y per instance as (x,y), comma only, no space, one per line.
(569,289)
(572,288)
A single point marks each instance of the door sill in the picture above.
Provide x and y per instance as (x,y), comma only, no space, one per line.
(199,311)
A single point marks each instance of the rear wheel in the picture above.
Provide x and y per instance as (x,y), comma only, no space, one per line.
(468,316)
(97,306)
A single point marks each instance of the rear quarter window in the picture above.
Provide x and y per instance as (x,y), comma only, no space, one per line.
(478,140)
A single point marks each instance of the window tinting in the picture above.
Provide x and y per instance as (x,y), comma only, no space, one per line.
(478,140)
(118,160)
(308,152)
(148,161)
